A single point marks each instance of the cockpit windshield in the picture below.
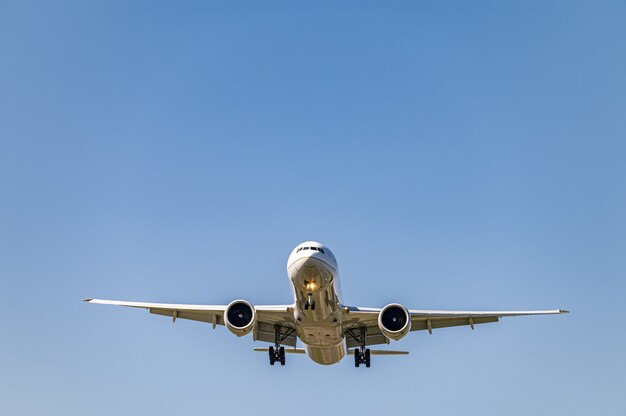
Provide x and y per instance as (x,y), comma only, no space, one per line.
(321,250)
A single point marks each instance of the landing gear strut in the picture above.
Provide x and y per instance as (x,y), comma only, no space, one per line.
(361,354)
(277,353)
(310,303)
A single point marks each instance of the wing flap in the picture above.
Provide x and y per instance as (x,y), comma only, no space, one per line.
(207,317)
(419,324)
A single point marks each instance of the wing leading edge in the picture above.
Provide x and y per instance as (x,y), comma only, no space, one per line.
(213,314)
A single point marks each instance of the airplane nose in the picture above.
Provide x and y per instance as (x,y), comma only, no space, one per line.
(310,261)
(312,274)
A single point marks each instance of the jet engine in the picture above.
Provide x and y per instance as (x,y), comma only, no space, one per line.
(394,321)
(240,317)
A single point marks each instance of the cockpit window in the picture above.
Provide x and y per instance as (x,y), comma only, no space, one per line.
(321,250)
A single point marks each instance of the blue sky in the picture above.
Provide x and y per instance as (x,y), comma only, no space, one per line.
(460,155)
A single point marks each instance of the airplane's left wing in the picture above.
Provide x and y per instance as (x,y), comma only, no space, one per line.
(430,319)
(357,317)
(268,316)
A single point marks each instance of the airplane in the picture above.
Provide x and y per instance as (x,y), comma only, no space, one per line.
(328,329)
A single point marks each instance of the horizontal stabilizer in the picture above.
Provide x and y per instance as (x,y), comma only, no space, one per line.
(287,350)
(382,352)
(350,352)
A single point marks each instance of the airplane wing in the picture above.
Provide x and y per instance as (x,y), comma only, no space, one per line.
(423,320)
(267,316)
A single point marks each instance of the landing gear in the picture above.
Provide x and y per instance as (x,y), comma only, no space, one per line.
(362,356)
(310,303)
(281,355)
(277,353)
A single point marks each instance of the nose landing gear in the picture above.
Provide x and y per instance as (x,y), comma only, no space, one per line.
(310,303)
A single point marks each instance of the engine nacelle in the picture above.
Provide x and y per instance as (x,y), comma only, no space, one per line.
(240,317)
(394,321)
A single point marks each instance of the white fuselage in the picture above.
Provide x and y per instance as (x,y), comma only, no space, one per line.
(312,270)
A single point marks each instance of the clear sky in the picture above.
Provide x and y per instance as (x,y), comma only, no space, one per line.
(456,155)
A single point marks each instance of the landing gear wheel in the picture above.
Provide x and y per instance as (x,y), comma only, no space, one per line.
(306,305)
(272,356)
(312,306)
(362,356)
(277,352)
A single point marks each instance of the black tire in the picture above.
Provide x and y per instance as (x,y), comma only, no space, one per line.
(367,358)
(306,305)
(272,356)
(313,305)
(357,358)
(281,355)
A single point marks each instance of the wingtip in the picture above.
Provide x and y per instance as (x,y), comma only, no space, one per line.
(563,311)
(87,300)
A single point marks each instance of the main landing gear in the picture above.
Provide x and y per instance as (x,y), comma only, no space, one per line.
(310,303)
(277,353)
(362,356)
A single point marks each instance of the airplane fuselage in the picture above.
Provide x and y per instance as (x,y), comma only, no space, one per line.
(312,270)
